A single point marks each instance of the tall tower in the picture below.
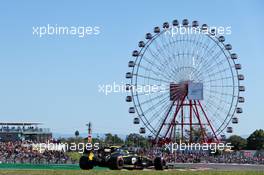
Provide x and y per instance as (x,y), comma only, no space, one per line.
(89,132)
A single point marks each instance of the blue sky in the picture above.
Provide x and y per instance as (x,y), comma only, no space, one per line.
(55,80)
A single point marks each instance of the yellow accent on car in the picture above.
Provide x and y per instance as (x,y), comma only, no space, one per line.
(90,156)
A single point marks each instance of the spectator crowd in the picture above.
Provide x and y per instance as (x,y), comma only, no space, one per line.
(203,157)
(23,152)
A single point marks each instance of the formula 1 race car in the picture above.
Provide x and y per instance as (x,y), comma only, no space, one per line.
(117,158)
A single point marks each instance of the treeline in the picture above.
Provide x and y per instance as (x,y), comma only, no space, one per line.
(133,140)
(254,142)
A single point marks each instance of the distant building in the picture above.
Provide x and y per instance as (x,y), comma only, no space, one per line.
(19,131)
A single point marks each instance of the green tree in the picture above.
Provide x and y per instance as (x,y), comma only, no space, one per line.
(237,142)
(197,134)
(113,139)
(97,140)
(118,140)
(74,156)
(256,140)
(136,140)
(74,140)
(76,133)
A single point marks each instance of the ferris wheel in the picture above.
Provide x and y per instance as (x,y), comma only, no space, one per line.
(195,84)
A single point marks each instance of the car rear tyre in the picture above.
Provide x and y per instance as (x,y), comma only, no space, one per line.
(85,163)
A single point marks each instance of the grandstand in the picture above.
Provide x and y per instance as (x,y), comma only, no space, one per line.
(20,131)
